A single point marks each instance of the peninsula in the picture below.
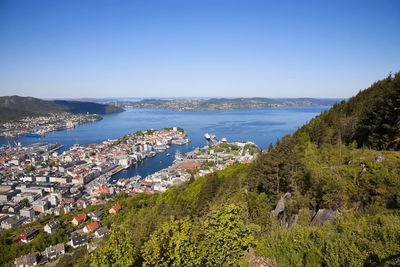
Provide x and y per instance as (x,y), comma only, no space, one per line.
(225,103)
(14,108)
(35,117)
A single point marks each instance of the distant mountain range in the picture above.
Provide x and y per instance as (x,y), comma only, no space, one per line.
(17,107)
(225,103)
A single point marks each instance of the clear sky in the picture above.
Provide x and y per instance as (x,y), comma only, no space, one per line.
(219,48)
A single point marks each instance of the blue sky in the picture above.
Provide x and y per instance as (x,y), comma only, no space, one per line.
(219,48)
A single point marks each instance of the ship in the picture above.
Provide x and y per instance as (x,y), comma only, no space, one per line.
(207,136)
(34,135)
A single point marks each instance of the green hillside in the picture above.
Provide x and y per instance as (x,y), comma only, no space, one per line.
(8,114)
(17,107)
(372,118)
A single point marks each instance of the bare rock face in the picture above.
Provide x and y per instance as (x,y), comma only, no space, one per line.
(258,261)
(280,207)
(324,216)
(292,222)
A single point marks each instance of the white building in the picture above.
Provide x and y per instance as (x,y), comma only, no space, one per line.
(27,212)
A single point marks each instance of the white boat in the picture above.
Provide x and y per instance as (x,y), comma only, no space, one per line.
(207,136)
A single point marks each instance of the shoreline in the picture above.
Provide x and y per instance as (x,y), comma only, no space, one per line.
(67,121)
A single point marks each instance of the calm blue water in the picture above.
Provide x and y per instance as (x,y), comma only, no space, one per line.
(260,126)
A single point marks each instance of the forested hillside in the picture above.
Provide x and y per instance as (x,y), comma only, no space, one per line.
(372,118)
(17,107)
(326,196)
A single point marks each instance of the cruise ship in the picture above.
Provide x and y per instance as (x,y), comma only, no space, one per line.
(207,136)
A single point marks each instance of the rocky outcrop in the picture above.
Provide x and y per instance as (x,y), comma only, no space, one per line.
(292,222)
(324,216)
(280,207)
(258,261)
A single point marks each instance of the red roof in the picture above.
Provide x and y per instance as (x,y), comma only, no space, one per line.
(81,217)
(189,165)
(116,207)
(92,226)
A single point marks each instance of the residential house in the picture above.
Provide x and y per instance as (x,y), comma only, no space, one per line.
(92,245)
(91,227)
(79,241)
(28,234)
(96,215)
(78,219)
(54,251)
(102,231)
(26,260)
(115,208)
(14,208)
(11,222)
(58,211)
(51,226)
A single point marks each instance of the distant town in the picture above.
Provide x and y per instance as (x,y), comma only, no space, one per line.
(39,126)
(223,103)
(37,182)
